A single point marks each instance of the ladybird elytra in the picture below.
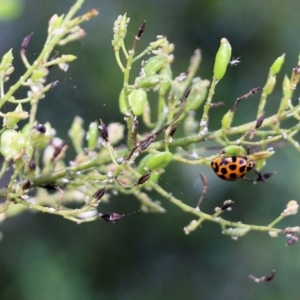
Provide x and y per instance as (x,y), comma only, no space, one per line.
(232,164)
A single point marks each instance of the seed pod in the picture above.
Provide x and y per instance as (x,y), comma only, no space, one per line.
(137,100)
(12,118)
(92,136)
(222,59)
(159,160)
(153,64)
(198,94)
(234,150)
(277,64)
(11,143)
(150,81)
(142,169)
(227,119)
(122,103)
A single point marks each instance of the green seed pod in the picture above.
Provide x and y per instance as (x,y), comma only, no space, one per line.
(159,160)
(261,155)
(120,30)
(154,64)
(234,150)
(11,143)
(198,94)
(286,86)
(276,66)
(92,136)
(142,169)
(142,164)
(76,133)
(137,100)
(150,81)
(227,119)
(6,64)
(165,84)
(38,74)
(270,84)
(122,103)
(12,118)
(222,59)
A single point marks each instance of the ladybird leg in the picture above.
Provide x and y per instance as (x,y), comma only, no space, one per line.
(263,177)
(260,177)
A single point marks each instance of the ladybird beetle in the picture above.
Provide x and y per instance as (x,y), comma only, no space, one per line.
(233,163)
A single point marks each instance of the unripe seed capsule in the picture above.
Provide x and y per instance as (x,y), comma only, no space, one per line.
(159,160)
(92,136)
(137,100)
(222,59)
(150,81)
(11,143)
(276,66)
(153,64)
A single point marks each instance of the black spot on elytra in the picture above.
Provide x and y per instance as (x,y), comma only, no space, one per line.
(233,176)
(223,171)
(232,167)
(242,169)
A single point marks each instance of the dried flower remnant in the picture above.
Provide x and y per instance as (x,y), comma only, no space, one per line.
(99,193)
(26,42)
(292,239)
(264,278)
(227,205)
(110,217)
(103,131)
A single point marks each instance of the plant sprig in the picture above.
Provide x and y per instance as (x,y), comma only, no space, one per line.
(103,165)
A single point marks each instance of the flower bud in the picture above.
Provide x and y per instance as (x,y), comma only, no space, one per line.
(76,133)
(115,132)
(222,59)
(276,66)
(55,22)
(120,30)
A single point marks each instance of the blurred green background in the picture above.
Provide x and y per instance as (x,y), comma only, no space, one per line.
(147,256)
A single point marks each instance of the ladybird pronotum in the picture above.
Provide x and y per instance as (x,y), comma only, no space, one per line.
(232,168)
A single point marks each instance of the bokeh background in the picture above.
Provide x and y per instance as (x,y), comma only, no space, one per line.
(147,256)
